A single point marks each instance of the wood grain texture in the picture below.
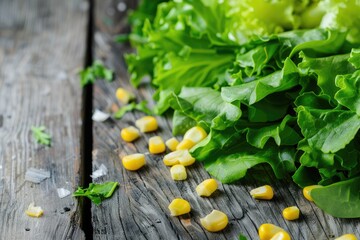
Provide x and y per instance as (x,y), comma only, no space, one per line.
(42,44)
(138,209)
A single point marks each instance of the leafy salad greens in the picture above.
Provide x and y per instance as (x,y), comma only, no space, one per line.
(273,82)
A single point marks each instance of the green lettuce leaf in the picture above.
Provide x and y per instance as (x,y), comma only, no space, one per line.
(315,41)
(234,164)
(217,142)
(258,18)
(256,90)
(281,133)
(349,93)
(355,58)
(344,16)
(310,99)
(215,21)
(199,69)
(145,10)
(254,61)
(140,65)
(344,193)
(255,134)
(181,123)
(326,69)
(328,131)
(271,108)
(206,107)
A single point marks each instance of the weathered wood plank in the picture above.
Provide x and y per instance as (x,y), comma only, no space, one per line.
(138,210)
(42,45)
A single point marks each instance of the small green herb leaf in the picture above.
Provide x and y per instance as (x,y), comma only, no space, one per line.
(141,106)
(41,136)
(127,108)
(97,192)
(86,77)
(121,38)
(242,237)
(96,71)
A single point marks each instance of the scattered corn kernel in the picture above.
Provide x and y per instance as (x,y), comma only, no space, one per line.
(182,157)
(133,162)
(124,96)
(34,211)
(291,213)
(185,144)
(267,231)
(281,236)
(186,159)
(196,134)
(264,192)
(207,187)
(347,237)
(172,143)
(178,172)
(147,124)
(179,206)
(307,190)
(172,158)
(130,134)
(156,145)
(215,221)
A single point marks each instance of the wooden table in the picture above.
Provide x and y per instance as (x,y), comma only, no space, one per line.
(43,45)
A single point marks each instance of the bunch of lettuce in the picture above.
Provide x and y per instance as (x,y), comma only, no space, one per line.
(273,82)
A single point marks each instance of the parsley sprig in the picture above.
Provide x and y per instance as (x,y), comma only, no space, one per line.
(97,192)
(141,106)
(96,71)
(40,135)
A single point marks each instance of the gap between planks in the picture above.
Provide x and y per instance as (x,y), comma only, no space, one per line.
(86,139)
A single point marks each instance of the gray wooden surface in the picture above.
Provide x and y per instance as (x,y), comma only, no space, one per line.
(138,210)
(42,46)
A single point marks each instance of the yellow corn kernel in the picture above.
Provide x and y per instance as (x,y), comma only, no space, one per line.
(185,144)
(179,206)
(264,192)
(195,134)
(172,158)
(182,157)
(267,231)
(130,134)
(133,162)
(215,221)
(147,124)
(172,144)
(124,96)
(186,159)
(291,213)
(178,172)
(281,236)
(156,145)
(307,190)
(347,237)
(207,187)
(34,211)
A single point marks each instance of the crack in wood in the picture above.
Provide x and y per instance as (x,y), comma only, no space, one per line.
(86,131)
